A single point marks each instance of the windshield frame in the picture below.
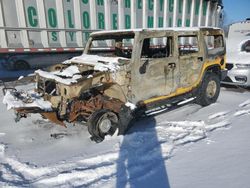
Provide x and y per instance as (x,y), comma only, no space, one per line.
(117,37)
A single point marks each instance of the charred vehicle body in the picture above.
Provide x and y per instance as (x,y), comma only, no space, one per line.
(124,73)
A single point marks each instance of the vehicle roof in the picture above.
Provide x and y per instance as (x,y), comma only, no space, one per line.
(131,31)
(241,22)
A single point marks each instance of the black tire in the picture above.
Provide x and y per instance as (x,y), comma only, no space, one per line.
(209,90)
(96,124)
(125,120)
(21,65)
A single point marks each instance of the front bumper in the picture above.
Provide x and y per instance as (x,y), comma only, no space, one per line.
(30,102)
(25,100)
(223,74)
(238,76)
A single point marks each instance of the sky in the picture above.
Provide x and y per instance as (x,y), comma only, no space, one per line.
(236,10)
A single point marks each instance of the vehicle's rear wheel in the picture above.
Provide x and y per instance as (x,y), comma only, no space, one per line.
(209,90)
(21,65)
(101,123)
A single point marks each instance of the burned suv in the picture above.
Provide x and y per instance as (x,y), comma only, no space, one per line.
(124,73)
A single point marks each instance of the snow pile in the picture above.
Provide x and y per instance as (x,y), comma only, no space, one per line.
(242,112)
(219,114)
(24,99)
(53,75)
(68,72)
(98,62)
(245,104)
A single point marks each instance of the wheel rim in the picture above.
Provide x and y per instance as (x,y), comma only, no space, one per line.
(211,89)
(105,125)
(106,122)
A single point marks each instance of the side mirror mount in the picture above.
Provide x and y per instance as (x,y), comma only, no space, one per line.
(143,68)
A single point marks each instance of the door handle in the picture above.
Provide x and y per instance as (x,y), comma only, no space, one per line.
(200,58)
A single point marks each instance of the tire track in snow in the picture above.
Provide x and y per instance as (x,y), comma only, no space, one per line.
(98,169)
(219,115)
(33,174)
(75,173)
(224,114)
(242,112)
(95,169)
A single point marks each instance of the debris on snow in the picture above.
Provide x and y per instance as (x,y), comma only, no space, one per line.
(24,99)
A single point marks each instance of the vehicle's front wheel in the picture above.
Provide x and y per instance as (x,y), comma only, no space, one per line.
(101,123)
(209,90)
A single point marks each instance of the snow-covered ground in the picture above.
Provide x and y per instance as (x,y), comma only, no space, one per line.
(186,147)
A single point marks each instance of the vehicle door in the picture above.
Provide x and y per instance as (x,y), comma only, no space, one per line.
(157,68)
(191,59)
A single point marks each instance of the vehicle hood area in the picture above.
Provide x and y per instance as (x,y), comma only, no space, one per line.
(74,71)
(99,63)
(66,76)
(238,57)
(80,67)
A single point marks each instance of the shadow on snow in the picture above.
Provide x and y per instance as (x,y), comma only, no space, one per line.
(140,162)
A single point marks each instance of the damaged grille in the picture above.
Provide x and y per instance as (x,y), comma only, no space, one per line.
(227,79)
(46,86)
(40,86)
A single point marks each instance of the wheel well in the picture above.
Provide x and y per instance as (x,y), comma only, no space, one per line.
(214,69)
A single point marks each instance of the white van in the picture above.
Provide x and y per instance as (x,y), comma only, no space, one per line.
(238,54)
